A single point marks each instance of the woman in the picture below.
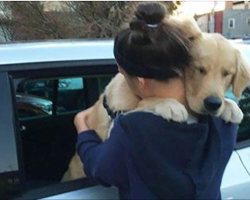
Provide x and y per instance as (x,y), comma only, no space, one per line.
(147,157)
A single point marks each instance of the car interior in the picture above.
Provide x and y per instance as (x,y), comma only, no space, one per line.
(48,140)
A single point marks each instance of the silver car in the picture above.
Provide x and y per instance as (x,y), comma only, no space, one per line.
(35,150)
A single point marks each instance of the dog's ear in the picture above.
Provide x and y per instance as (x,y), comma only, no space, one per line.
(242,77)
(188,26)
(191,28)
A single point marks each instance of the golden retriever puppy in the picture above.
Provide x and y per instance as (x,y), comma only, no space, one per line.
(216,67)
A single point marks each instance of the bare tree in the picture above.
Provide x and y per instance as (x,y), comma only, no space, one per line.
(6,26)
(70,19)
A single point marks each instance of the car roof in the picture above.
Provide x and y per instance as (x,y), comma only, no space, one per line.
(243,47)
(71,50)
(55,50)
(240,42)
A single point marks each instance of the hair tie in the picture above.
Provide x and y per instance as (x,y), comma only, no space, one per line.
(152,25)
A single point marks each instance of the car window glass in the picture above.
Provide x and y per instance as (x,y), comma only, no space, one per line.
(37,97)
(34,98)
(244,103)
(71,94)
(46,108)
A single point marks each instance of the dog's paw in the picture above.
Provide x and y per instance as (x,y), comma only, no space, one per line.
(232,113)
(170,109)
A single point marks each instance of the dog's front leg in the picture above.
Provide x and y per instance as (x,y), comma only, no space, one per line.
(232,113)
(169,109)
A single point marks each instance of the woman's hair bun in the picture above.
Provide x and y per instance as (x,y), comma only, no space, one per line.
(146,14)
(151,13)
(137,24)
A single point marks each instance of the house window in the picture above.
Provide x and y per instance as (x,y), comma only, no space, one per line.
(231,23)
(248,21)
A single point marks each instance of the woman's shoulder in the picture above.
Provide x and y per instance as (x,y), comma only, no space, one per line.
(147,118)
(148,123)
(142,121)
(146,115)
(142,118)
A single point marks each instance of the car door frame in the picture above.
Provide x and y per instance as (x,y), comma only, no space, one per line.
(44,70)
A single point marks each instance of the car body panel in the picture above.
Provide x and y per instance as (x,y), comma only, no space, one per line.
(234,179)
(240,191)
(245,157)
(235,173)
(52,51)
(244,153)
(96,192)
(7,135)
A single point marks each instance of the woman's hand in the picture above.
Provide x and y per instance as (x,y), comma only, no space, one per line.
(80,120)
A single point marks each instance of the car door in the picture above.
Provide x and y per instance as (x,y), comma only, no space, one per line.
(48,138)
(46,102)
(243,146)
(236,180)
(10,165)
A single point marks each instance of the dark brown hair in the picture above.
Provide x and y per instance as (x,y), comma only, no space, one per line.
(152,47)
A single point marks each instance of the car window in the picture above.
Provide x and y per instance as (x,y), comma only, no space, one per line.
(244,129)
(45,109)
(244,104)
(38,97)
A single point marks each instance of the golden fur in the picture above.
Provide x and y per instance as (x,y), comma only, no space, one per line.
(217,66)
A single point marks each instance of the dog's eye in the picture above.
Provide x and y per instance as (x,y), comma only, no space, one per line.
(226,73)
(201,70)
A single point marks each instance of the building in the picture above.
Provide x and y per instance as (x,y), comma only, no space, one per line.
(203,22)
(210,23)
(236,23)
(236,19)
(236,5)
(233,22)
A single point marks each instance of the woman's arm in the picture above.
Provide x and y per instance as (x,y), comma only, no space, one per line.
(80,119)
(104,162)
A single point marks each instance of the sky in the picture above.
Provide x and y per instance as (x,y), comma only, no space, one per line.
(200,7)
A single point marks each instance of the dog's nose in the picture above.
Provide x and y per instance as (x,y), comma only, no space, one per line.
(212,103)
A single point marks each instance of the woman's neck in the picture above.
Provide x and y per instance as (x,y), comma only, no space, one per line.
(173,89)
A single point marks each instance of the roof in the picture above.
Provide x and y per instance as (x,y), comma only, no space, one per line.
(57,50)
(71,50)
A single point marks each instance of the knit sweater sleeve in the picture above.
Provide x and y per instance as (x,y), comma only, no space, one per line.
(104,162)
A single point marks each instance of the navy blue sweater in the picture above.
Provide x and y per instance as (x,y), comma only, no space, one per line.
(147,157)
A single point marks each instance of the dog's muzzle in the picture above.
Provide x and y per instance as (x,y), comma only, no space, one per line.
(212,103)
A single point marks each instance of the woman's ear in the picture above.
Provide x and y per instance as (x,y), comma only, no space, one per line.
(142,82)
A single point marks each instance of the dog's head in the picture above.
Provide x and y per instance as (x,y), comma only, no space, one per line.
(216,67)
